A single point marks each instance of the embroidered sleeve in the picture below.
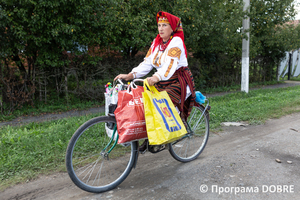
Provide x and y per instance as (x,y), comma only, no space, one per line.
(145,67)
(149,52)
(174,52)
(169,68)
(155,60)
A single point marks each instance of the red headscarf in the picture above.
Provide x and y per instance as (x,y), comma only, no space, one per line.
(176,26)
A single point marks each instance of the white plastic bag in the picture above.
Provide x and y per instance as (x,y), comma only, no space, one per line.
(111,97)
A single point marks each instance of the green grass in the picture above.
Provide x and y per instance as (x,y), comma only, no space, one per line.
(237,87)
(254,107)
(36,148)
(39,148)
(295,79)
(53,106)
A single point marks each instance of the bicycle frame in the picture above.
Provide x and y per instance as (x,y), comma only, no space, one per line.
(104,165)
(206,107)
(111,140)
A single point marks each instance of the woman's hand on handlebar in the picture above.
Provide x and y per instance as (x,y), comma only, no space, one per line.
(125,77)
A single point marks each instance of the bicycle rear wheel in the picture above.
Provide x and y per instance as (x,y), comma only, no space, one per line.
(89,163)
(190,146)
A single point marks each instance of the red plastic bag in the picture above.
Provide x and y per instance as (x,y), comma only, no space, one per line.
(130,115)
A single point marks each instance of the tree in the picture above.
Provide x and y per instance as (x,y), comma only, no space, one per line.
(35,34)
(269,40)
(212,30)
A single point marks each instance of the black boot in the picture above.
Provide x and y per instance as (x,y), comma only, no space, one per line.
(143,146)
(184,119)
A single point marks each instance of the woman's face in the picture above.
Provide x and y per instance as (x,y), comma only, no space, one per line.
(165,31)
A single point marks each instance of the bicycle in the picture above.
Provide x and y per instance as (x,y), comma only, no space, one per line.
(97,163)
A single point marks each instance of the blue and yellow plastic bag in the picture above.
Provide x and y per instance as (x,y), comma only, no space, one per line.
(163,122)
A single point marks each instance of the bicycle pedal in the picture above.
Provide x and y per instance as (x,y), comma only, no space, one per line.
(156,148)
(143,152)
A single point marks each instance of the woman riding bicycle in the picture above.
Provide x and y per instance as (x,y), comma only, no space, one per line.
(169,56)
(96,163)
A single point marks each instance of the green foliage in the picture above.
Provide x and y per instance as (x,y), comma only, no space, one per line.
(270,36)
(296,79)
(45,29)
(35,36)
(213,36)
(132,26)
(86,88)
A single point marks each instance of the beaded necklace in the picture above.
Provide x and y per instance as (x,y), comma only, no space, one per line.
(163,45)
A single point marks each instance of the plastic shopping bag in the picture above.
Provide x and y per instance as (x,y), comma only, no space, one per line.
(130,116)
(163,122)
(111,97)
(200,98)
(111,100)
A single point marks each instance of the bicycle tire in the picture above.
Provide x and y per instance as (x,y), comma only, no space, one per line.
(190,146)
(86,164)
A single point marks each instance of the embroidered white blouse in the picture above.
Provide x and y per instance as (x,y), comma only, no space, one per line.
(166,62)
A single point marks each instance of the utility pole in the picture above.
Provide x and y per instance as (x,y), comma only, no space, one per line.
(245,52)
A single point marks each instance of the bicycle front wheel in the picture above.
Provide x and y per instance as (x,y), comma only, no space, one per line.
(92,162)
(190,146)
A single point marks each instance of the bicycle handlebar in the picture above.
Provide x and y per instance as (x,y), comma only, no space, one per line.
(140,80)
(120,81)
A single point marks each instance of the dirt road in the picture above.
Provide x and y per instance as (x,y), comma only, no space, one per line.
(238,163)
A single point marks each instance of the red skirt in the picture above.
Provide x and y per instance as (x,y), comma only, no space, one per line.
(176,89)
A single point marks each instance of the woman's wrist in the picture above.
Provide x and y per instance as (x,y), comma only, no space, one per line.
(157,76)
(154,77)
(133,74)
